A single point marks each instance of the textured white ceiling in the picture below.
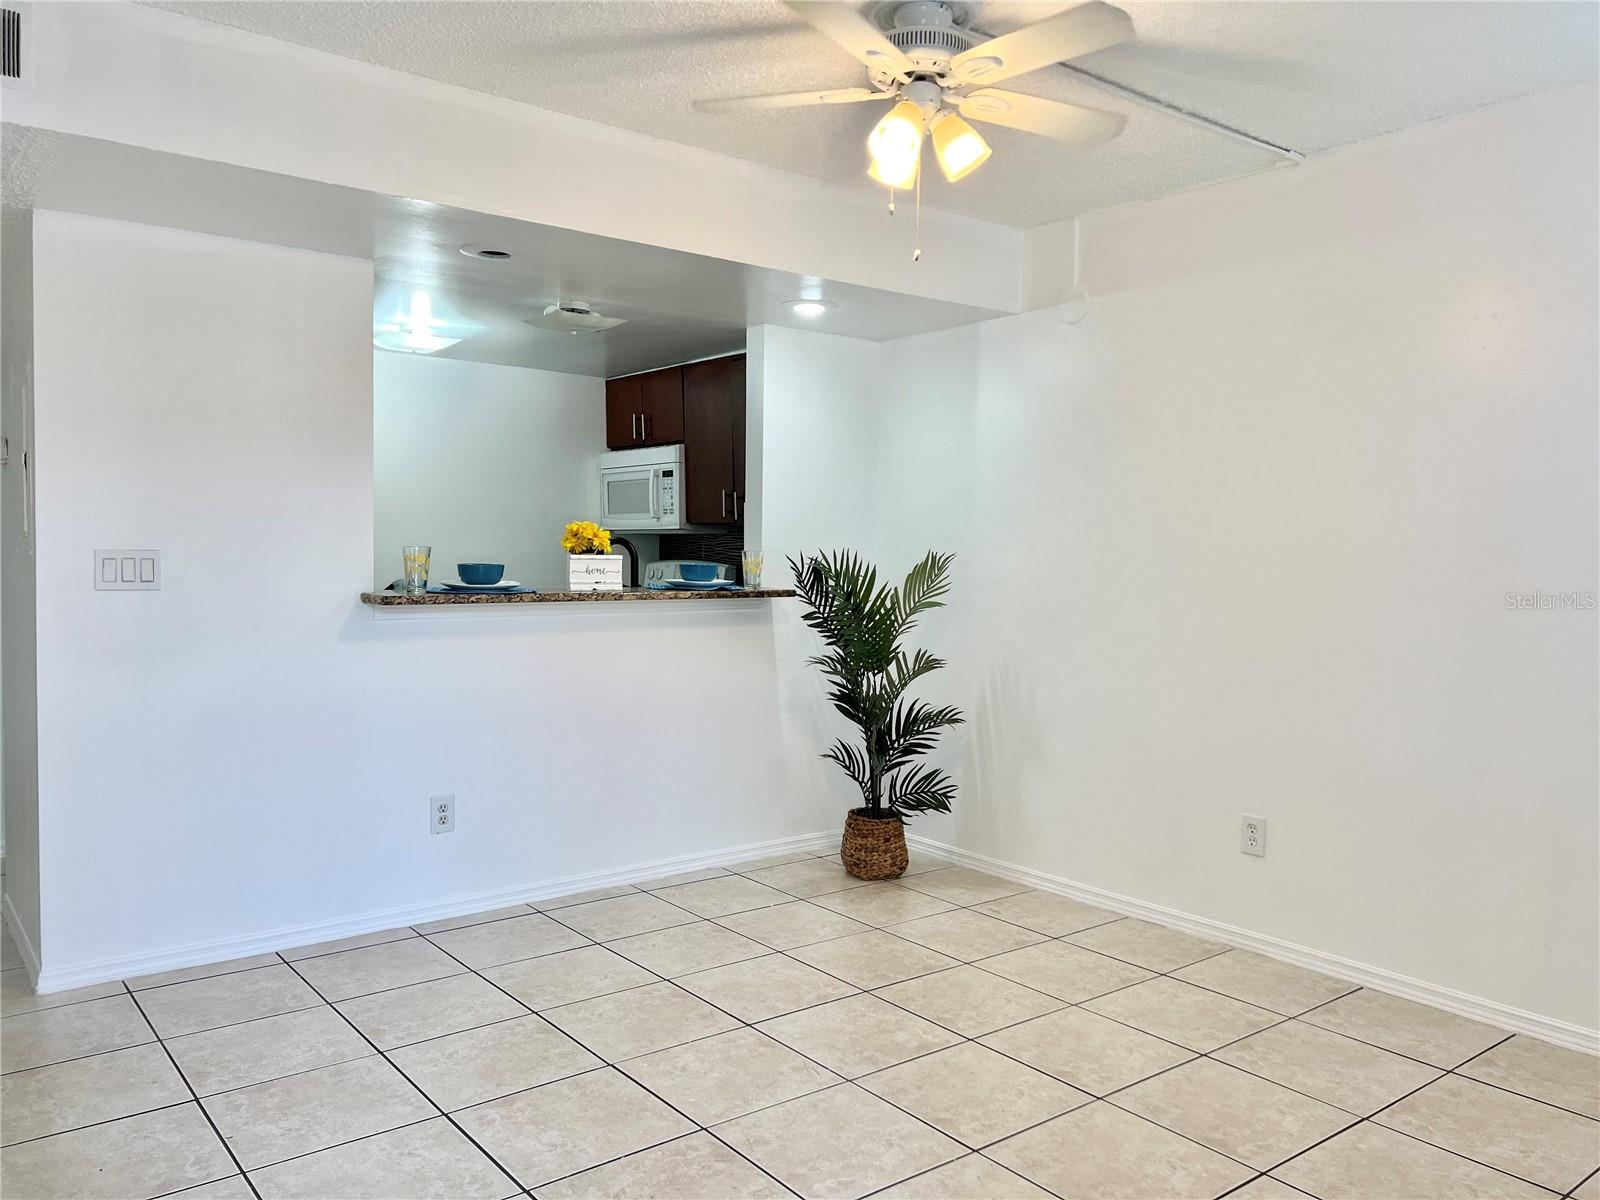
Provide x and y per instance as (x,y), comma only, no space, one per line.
(1304,75)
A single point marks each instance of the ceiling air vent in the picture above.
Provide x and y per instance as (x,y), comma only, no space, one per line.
(574,316)
(14,45)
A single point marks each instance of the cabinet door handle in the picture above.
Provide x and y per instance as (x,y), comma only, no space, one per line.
(644,426)
(736,506)
(724,502)
(633,426)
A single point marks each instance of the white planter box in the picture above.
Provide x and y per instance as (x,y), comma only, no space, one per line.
(594,572)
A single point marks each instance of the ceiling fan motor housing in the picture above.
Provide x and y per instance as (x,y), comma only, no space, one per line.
(928,32)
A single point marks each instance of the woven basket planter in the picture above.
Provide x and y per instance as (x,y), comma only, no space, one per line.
(873,848)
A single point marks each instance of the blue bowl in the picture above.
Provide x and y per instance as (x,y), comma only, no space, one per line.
(698,572)
(481,573)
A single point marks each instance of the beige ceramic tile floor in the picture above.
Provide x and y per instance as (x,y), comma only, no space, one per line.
(773,1030)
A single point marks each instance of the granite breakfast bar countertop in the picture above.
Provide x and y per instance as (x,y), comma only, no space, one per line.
(436,599)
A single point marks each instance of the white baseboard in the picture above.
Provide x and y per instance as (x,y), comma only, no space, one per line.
(105,970)
(25,947)
(1561,1033)
(1549,1029)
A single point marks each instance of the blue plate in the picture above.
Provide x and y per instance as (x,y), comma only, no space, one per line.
(460,589)
(689,585)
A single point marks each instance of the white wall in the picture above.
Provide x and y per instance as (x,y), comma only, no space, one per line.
(262,749)
(812,400)
(811,464)
(484,463)
(1240,542)
(17,601)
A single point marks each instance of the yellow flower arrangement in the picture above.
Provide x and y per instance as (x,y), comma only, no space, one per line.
(585,537)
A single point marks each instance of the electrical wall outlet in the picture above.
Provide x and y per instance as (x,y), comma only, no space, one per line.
(1252,835)
(441,814)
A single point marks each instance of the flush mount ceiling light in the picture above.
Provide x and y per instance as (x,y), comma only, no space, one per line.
(413,331)
(487,253)
(932,67)
(810,309)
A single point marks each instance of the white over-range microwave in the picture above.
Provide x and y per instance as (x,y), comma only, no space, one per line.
(642,490)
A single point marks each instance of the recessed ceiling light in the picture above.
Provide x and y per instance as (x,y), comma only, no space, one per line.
(489,253)
(810,309)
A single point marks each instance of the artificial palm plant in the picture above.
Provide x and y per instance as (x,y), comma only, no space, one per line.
(862,623)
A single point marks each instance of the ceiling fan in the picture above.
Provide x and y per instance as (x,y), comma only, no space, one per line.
(938,72)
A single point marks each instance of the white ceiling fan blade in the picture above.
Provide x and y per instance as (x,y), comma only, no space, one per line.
(792,99)
(1076,31)
(841,24)
(1047,118)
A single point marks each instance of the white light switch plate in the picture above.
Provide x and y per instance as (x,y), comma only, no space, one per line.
(127,570)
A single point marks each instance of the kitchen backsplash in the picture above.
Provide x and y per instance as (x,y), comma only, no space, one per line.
(727,548)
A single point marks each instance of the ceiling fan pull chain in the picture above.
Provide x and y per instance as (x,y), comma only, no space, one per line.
(916,251)
(891,202)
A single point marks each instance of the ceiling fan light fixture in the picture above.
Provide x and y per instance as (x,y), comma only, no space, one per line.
(896,146)
(959,147)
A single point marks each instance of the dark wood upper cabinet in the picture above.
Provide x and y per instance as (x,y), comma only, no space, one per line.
(645,410)
(623,413)
(736,385)
(661,406)
(700,405)
(713,427)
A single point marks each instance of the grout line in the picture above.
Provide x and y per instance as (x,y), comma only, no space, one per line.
(288,1012)
(412,1083)
(143,1112)
(952,1162)
(609,1065)
(1367,1119)
(606,1065)
(195,1187)
(1457,1072)
(234,1158)
(1447,1149)
(319,1002)
(244,1087)
(16,1071)
(156,987)
(744,1025)
(1272,1178)
(434,1037)
(278,1162)
(467,922)
(844,1081)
